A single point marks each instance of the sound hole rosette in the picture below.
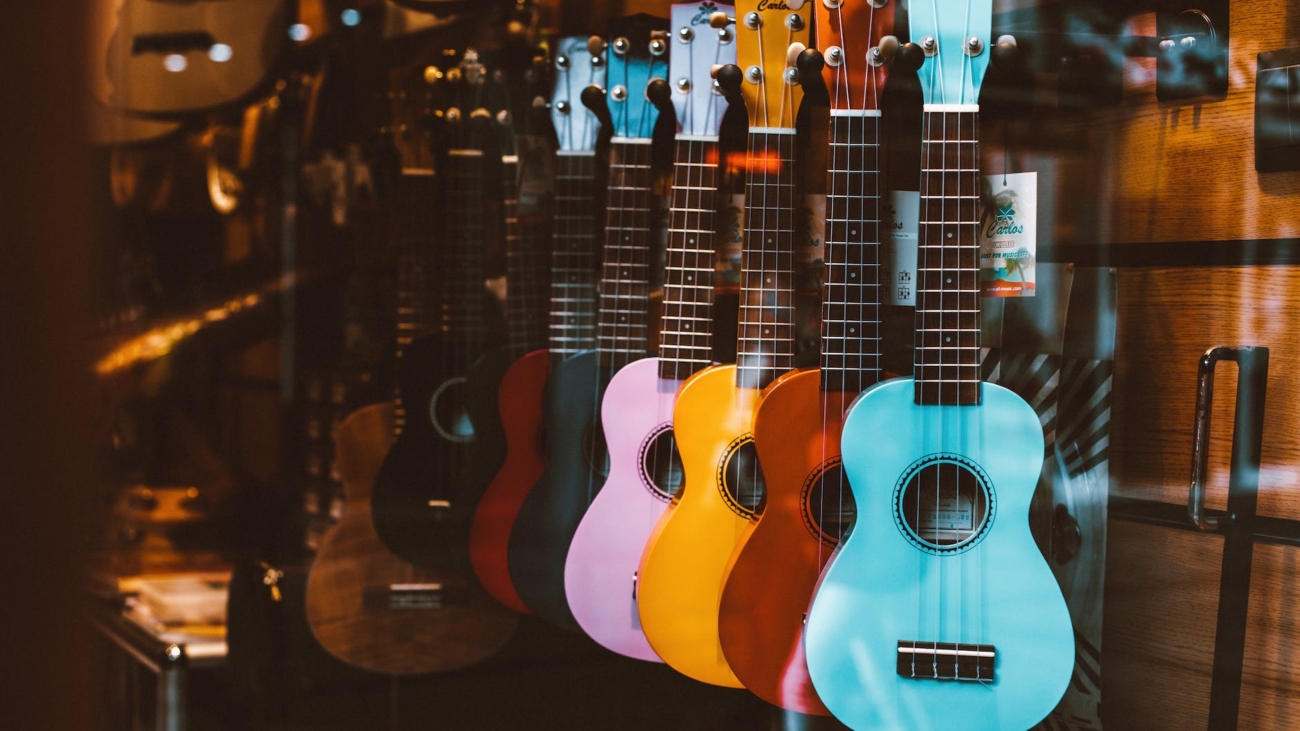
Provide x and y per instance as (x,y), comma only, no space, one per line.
(447,411)
(829,524)
(740,478)
(944,504)
(660,463)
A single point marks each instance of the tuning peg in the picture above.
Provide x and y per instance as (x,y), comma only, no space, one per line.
(660,94)
(593,98)
(885,52)
(1005,52)
(730,78)
(810,63)
(721,20)
(909,58)
(595,46)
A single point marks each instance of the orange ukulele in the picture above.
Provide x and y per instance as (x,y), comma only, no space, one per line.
(681,571)
(770,580)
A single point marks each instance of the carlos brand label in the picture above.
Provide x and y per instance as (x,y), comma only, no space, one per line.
(1008,235)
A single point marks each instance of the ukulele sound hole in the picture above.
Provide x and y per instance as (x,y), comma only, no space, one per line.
(741,479)
(944,504)
(661,463)
(448,413)
(828,507)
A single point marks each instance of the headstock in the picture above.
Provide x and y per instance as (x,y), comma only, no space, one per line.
(955,36)
(698,49)
(856,39)
(579,62)
(638,52)
(770,34)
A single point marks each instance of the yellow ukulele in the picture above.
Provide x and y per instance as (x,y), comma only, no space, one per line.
(679,584)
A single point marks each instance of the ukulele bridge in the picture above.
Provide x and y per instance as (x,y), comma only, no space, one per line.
(946,661)
(419,597)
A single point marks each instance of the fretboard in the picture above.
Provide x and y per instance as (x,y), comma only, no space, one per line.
(415,235)
(461,270)
(765,340)
(573,256)
(850,359)
(686,332)
(947,360)
(623,335)
(527,251)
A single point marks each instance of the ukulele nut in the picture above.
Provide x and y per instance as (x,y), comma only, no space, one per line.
(974,46)
(929,45)
(753,21)
(685,34)
(621,46)
(834,56)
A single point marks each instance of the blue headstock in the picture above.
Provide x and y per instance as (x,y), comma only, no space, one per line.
(638,52)
(579,63)
(955,36)
(699,48)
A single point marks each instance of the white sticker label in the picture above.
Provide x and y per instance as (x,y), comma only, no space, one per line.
(1008,235)
(901,222)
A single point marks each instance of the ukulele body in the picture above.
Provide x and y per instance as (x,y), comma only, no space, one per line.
(520,403)
(352,607)
(773,573)
(680,579)
(600,573)
(549,516)
(431,480)
(883,586)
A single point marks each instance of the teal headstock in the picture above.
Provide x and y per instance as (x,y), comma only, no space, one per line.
(955,36)
(697,50)
(638,52)
(579,62)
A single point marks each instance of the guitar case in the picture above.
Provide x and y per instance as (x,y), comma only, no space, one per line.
(1056,351)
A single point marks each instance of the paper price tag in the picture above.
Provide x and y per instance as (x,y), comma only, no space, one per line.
(900,223)
(1008,235)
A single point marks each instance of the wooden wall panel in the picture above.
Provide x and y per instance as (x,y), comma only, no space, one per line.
(1185,171)
(1161,609)
(1167,318)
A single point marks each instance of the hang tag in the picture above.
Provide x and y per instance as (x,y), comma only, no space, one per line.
(1008,235)
(730,243)
(900,225)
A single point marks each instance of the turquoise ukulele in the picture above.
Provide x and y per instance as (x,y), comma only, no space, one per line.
(938,612)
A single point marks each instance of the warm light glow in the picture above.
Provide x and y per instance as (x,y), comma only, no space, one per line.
(161,340)
(220,52)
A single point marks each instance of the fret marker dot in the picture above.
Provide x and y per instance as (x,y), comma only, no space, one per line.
(948,280)
(627,238)
(769,280)
(853,275)
(852,330)
(854,232)
(950,235)
(690,278)
(623,318)
(688,326)
(767,332)
(948,339)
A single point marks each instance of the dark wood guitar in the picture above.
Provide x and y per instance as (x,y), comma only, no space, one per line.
(371,609)
(576,460)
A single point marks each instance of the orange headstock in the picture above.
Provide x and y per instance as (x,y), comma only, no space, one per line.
(856,40)
(770,34)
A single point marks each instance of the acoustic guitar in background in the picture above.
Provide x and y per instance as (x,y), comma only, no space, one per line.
(571,326)
(366,605)
(637,58)
(939,611)
(681,571)
(809,507)
(644,466)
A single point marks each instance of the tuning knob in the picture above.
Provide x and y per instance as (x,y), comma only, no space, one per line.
(909,58)
(660,94)
(730,78)
(1005,52)
(721,20)
(593,98)
(810,63)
